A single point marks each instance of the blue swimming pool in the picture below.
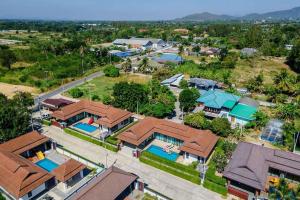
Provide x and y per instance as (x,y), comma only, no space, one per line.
(161,153)
(85,127)
(47,164)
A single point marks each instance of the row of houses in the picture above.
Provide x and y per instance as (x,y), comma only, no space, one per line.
(140,43)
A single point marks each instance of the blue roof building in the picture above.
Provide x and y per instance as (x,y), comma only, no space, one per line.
(217,99)
(168,57)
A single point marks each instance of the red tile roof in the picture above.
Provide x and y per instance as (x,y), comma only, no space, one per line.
(197,142)
(110,116)
(67,170)
(19,176)
(107,186)
(57,102)
(24,142)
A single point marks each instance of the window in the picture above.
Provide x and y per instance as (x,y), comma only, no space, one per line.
(187,155)
(29,194)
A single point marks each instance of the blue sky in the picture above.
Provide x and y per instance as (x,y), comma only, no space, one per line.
(133,9)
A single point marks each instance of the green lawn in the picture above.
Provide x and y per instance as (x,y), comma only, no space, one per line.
(104,85)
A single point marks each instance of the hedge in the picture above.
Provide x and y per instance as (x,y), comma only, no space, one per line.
(215,187)
(175,172)
(210,176)
(91,140)
(46,122)
(178,166)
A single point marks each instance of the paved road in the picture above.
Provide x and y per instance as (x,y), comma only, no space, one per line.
(65,87)
(167,184)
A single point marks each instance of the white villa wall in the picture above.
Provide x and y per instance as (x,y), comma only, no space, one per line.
(34,192)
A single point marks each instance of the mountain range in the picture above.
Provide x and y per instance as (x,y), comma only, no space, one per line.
(291,14)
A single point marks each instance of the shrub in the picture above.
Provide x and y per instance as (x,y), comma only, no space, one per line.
(221,126)
(111,71)
(76,93)
(95,97)
(46,122)
(106,99)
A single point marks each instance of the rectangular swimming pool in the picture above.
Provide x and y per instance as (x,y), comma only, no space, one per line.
(47,164)
(161,153)
(85,127)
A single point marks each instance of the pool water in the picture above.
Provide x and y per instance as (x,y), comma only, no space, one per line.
(85,127)
(47,164)
(161,153)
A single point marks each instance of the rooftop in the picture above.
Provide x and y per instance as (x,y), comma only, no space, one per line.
(217,98)
(203,82)
(168,57)
(67,170)
(110,116)
(19,176)
(132,42)
(197,142)
(109,185)
(250,164)
(24,142)
(244,112)
(57,102)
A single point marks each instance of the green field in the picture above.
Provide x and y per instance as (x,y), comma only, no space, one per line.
(104,85)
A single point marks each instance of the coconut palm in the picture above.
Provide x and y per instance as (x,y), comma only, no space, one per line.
(144,65)
(127,65)
(283,81)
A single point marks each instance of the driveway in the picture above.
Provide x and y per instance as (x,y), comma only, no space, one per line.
(167,184)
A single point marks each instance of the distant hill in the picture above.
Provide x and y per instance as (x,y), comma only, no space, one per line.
(291,14)
(206,16)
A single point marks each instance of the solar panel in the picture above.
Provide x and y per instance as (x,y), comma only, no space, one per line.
(272,132)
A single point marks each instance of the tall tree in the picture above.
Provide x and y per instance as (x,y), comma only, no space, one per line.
(7,57)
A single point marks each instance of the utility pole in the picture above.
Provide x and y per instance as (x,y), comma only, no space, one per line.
(296,137)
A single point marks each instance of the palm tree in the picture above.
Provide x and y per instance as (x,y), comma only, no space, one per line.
(144,65)
(126,66)
(283,81)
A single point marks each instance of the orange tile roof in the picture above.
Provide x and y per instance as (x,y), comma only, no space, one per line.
(67,170)
(24,142)
(198,142)
(19,176)
(110,116)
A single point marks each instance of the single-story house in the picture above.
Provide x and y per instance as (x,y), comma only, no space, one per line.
(113,183)
(217,103)
(69,173)
(134,43)
(156,43)
(24,175)
(253,168)
(202,83)
(209,51)
(173,81)
(243,112)
(194,144)
(55,104)
(108,118)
